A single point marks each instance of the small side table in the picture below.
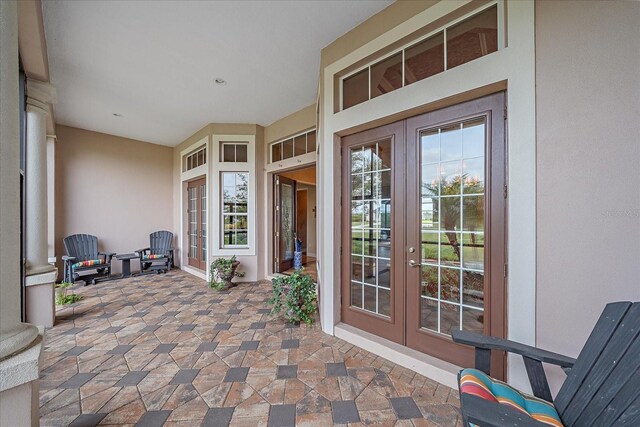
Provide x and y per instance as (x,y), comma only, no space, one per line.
(126,263)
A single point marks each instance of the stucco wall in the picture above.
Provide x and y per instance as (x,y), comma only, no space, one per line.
(588,152)
(115,188)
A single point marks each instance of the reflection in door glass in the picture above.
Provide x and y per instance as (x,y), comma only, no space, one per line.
(452,227)
(370,214)
(286,224)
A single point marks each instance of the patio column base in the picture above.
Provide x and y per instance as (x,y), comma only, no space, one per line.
(41,307)
(19,374)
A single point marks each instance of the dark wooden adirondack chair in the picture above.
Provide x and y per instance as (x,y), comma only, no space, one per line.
(158,256)
(83,256)
(602,388)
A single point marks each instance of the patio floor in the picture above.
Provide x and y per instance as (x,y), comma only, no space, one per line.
(167,349)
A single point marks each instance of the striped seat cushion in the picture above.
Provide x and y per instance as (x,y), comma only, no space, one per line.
(88,263)
(153,256)
(473,381)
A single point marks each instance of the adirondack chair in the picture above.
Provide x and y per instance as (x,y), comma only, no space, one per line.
(602,388)
(83,256)
(158,256)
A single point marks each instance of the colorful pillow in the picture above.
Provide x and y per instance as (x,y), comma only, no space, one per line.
(152,256)
(88,263)
(473,381)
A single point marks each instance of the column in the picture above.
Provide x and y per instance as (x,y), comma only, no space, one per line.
(41,275)
(51,197)
(20,343)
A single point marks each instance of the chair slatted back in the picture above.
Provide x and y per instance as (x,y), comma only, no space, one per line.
(81,246)
(603,387)
(160,242)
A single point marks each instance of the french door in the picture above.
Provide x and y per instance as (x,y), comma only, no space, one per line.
(424,229)
(284,222)
(197,218)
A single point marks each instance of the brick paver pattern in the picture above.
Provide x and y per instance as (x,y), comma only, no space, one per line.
(166,348)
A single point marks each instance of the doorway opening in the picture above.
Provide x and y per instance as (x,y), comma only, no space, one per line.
(294,213)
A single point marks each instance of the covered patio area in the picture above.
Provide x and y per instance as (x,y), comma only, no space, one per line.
(166,348)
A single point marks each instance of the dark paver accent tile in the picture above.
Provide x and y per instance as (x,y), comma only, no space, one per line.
(287,371)
(87,420)
(249,345)
(203,312)
(106,315)
(77,381)
(185,376)
(295,343)
(77,350)
(243,300)
(292,325)
(234,311)
(222,326)
(139,314)
(215,301)
(153,418)
(282,416)
(164,348)
(73,331)
(344,411)
(187,327)
(120,349)
(258,325)
(150,328)
(130,303)
(405,408)
(187,301)
(199,293)
(236,375)
(102,304)
(170,313)
(174,293)
(131,378)
(336,369)
(218,417)
(207,346)
(113,329)
(264,310)
(160,303)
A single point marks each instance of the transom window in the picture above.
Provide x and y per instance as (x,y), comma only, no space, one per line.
(443,49)
(235,220)
(294,146)
(196,158)
(233,152)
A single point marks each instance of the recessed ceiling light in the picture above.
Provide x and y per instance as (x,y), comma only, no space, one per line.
(117,115)
(220,81)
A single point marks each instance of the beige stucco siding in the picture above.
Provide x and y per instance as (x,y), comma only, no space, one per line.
(588,153)
(115,188)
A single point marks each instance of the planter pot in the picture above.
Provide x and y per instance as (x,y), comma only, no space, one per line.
(227,278)
(297,260)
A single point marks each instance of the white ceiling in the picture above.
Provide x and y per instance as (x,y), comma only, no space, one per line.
(155,62)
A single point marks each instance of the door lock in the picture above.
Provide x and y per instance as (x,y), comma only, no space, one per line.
(412,263)
(412,250)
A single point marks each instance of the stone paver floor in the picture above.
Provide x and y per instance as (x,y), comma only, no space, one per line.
(167,350)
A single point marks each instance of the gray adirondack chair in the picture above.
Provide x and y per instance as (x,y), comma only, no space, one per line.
(158,257)
(602,388)
(83,256)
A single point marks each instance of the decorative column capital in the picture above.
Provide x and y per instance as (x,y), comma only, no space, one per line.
(40,94)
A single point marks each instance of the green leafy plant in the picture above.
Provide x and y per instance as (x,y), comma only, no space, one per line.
(294,296)
(64,298)
(222,272)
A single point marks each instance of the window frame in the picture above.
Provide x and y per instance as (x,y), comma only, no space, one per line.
(293,139)
(224,214)
(235,151)
(442,29)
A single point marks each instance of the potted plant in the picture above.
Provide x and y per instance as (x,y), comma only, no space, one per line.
(62,297)
(222,272)
(295,296)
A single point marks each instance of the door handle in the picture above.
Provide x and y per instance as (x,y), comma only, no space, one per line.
(412,263)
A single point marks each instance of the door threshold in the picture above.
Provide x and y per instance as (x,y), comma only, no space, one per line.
(194,271)
(436,369)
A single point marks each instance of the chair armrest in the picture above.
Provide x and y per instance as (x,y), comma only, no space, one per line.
(494,343)
(141,251)
(68,258)
(485,413)
(107,255)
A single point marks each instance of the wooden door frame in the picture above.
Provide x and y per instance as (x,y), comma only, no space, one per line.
(391,328)
(306,215)
(196,262)
(439,345)
(277,247)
